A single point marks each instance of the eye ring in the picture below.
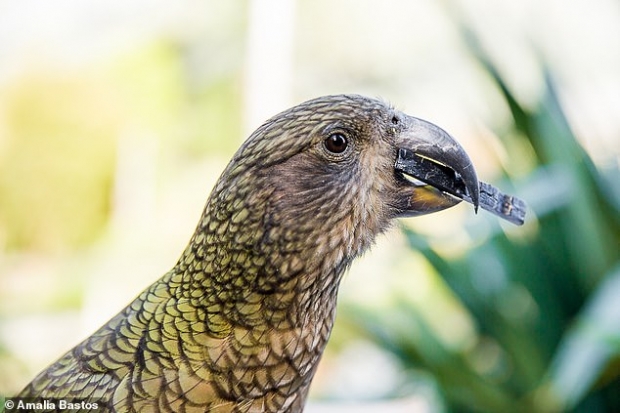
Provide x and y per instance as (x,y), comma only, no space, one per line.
(336,143)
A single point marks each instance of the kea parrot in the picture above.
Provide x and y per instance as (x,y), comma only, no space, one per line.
(240,321)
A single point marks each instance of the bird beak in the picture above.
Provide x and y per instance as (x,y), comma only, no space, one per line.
(430,165)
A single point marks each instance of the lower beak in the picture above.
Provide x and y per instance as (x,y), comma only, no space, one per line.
(431,165)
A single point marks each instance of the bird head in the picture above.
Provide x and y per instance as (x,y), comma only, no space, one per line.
(320,177)
(305,194)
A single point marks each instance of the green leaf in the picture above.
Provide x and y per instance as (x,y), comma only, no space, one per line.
(589,348)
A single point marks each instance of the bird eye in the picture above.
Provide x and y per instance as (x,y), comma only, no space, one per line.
(336,143)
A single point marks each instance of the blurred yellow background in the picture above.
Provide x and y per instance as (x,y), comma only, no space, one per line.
(116,118)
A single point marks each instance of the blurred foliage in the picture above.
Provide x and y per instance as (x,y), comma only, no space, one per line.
(54,160)
(57,160)
(195,118)
(543,299)
(70,137)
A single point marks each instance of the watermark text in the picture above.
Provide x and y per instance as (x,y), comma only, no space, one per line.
(17,404)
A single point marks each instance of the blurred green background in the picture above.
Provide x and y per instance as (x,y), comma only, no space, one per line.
(116,119)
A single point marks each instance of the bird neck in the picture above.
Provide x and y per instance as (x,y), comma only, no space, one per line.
(265,254)
(261,276)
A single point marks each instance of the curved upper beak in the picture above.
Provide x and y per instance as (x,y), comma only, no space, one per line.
(427,153)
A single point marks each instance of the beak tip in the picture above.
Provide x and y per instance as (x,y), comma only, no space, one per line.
(476,196)
(472,186)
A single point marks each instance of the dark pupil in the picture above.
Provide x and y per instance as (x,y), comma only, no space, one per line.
(336,143)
